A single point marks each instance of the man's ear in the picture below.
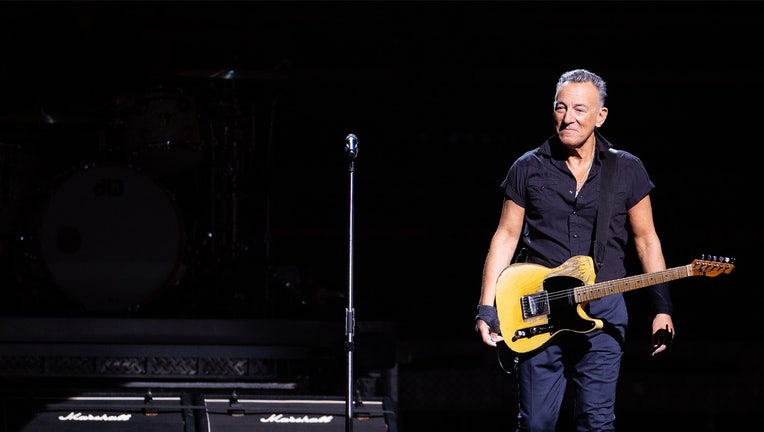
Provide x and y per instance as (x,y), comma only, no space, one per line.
(601,117)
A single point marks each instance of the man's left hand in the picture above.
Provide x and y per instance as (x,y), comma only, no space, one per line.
(663,333)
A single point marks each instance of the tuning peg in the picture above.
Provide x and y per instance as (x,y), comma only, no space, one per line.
(728,260)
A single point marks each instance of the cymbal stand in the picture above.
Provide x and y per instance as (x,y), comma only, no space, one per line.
(226,167)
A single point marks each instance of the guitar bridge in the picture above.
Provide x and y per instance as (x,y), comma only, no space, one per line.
(535,304)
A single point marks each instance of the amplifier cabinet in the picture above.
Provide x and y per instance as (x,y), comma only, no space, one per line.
(296,414)
(90,413)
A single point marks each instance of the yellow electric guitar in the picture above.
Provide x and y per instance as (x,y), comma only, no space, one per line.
(535,303)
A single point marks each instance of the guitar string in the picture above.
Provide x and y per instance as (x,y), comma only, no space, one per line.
(636,278)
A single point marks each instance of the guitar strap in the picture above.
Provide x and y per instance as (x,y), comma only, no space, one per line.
(605,206)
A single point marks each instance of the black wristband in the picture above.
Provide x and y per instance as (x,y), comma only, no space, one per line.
(488,314)
(660,299)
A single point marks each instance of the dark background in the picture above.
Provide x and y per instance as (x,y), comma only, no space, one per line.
(442,96)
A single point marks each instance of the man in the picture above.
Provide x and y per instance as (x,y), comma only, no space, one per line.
(551,200)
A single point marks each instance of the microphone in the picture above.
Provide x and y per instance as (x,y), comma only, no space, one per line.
(351,145)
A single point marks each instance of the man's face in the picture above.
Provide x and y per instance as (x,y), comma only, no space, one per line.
(577,112)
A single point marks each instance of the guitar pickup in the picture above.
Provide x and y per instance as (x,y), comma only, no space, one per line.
(535,304)
(532,331)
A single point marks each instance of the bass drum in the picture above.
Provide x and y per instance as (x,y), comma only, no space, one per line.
(111,238)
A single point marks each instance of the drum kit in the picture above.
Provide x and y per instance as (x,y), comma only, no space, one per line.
(149,210)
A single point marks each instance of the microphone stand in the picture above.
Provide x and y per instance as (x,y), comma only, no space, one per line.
(351,148)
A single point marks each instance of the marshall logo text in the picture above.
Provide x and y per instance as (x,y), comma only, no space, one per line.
(72,416)
(280,418)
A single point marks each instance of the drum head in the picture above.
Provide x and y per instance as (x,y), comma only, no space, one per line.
(111,237)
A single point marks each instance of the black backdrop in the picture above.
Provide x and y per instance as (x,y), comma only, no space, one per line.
(442,96)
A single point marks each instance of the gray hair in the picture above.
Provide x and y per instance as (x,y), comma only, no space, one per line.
(582,76)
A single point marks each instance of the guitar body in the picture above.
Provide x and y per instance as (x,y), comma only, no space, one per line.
(539,301)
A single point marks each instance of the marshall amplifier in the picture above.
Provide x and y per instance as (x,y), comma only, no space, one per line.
(296,414)
(97,413)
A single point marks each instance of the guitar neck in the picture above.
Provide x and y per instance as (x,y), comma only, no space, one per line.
(602,289)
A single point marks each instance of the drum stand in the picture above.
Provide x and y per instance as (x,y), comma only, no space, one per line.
(227,165)
(232,141)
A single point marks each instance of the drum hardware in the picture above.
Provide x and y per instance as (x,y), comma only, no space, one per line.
(157,131)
